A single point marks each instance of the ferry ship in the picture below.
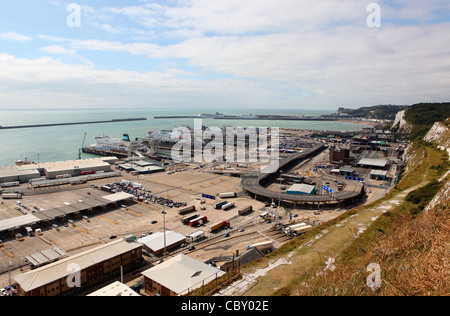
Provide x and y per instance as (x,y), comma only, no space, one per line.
(166,135)
(108,143)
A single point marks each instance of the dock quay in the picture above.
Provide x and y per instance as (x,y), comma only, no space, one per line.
(104,152)
(73,123)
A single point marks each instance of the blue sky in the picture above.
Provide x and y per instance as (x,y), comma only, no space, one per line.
(210,54)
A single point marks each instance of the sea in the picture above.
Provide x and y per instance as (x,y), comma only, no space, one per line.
(62,143)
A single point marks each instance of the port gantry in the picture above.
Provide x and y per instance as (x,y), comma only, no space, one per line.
(256,185)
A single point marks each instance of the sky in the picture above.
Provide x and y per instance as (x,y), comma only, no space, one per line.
(229,54)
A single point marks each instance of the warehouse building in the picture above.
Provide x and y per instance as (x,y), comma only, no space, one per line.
(75,168)
(179,276)
(13,174)
(54,170)
(85,269)
(301,189)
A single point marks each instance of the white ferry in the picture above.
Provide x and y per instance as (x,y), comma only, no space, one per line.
(108,143)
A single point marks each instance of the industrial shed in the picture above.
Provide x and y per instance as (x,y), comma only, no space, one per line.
(155,242)
(18,175)
(373,163)
(75,168)
(301,189)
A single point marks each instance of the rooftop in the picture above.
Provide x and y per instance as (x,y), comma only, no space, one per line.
(373,162)
(115,289)
(55,271)
(156,241)
(182,273)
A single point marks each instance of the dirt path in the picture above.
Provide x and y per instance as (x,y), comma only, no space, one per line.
(317,252)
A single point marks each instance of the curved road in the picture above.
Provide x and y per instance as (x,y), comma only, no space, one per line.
(255,185)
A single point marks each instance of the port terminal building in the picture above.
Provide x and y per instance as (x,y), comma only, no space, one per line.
(55,170)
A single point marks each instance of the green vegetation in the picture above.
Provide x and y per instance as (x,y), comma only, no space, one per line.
(387,112)
(423,115)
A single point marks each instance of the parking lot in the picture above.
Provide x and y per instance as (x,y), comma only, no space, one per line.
(78,233)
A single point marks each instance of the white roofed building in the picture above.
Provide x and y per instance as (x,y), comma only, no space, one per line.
(179,276)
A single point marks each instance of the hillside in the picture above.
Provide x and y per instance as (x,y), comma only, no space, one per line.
(422,117)
(387,112)
(401,239)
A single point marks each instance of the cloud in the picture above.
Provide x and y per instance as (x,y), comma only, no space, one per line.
(57,49)
(13,36)
(284,53)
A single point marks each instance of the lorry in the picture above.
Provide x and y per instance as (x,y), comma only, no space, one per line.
(218,226)
(29,231)
(198,221)
(11,196)
(290,228)
(85,173)
(186,210)
(227,195)
(300,230)
(246,210)
(186,220)
(218,206)
(228,206)
(9,184)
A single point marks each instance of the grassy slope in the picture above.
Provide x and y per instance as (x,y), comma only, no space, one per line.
(336,239)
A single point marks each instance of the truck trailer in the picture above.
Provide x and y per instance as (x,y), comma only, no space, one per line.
(245,210)
(218,226)
(218,206)
(198,221)
(186,220)
(301,230)
(227,195)
(228,206)
(186,210)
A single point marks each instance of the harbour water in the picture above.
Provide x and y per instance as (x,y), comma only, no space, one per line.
(48,144)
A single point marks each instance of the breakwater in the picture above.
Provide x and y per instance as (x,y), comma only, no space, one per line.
(72,123)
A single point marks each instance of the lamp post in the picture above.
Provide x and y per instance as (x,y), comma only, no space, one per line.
(164,217)
(279,194)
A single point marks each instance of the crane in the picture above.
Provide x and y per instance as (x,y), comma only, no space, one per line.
(82,146)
